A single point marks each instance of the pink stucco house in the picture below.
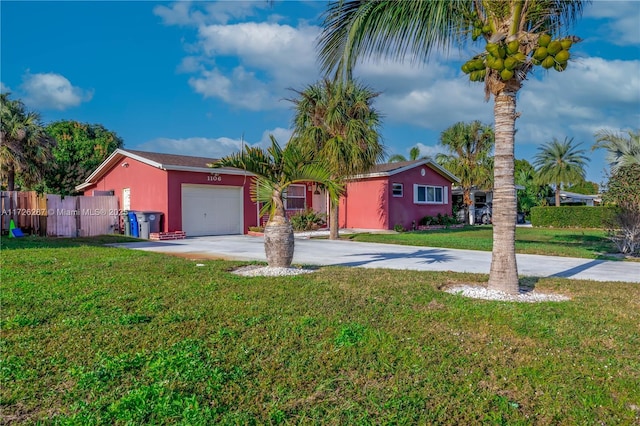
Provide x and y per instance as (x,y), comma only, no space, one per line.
(202,201)
(396,194)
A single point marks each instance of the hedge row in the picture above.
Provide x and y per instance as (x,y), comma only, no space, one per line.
(571,216)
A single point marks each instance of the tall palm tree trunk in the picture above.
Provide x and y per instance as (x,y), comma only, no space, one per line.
(504,270)
(466,199)
(334,223)
(557,195)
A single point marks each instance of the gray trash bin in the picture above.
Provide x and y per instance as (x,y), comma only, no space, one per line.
(127,223)
(149,222)
(155,221)
(144,230)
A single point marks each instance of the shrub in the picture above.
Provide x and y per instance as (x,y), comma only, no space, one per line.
(441,219)
(428,220)
(571,217)
(623,190)
(398,228)
(256,229)
(307,220)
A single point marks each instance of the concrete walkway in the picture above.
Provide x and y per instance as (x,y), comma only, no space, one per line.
(373,255)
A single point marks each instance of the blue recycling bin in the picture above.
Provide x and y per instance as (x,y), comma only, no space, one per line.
(133,223)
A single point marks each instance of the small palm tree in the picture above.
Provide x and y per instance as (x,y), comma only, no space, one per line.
(414,154)
(623,151)
(25,147)
(470,146)
(275,170)
(560,163)
(338,123)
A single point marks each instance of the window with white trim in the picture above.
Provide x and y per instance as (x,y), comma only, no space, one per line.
(397,190)
(426,194)
(295,197)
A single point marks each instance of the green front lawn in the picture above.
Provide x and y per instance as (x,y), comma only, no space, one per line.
(96,335)
(586,243)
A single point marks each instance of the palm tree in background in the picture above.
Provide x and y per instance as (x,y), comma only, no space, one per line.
(337,122)
(469,147)
(518,35)
(414,154)
(25,146)
(275,170)
(622,150)
(560,163)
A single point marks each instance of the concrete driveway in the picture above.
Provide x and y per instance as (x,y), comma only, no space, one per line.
(372,255)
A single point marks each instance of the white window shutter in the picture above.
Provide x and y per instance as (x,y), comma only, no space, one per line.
(445,198)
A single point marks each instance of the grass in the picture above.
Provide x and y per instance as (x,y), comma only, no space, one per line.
(585,243)
(98,335)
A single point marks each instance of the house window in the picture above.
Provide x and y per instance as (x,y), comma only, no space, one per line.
(295,197)
(424,194)
(397,190)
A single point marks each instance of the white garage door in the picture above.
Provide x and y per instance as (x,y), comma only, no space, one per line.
(211,210)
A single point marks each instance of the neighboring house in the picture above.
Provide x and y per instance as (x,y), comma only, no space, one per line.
(479,198)
(567,197)
(399,193)
(191,196)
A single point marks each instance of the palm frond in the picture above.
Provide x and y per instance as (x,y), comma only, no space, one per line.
(370,29)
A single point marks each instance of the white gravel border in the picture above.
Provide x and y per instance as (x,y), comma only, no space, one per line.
(478,292)
(267,271)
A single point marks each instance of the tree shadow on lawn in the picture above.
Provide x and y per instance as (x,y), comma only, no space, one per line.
(422,256)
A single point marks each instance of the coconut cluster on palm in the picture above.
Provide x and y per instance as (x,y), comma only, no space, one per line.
(274,170)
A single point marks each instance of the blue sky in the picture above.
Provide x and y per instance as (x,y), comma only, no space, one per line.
(196,77)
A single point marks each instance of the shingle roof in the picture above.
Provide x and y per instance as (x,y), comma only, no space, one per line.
(173,159)
(389,167)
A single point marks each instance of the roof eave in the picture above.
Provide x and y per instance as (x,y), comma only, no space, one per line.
(433,166)
(225,171)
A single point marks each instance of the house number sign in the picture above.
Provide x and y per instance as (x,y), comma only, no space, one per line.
(214,178)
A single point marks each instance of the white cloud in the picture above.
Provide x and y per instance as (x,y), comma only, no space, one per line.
(52,91)
(592,93)
(186,13)
(250,64)
(178,13)
(212,147)
(623,26)
(430,150)
(241,88)
(3,88)
(196,146)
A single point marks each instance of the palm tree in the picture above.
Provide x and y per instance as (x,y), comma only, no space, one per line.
(470,146)
(275,169)
(623,151)
(414,154)
(560,163)
(518,35)
(25,147)
(337,122)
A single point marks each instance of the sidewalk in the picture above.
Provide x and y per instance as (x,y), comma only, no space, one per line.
(374,255)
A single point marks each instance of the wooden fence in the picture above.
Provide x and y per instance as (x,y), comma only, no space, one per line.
(55,216)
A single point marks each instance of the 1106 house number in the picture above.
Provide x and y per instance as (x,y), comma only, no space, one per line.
(214,178)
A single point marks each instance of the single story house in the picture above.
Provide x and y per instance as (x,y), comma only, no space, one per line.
(202,201)
(191,196)
(398,193)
